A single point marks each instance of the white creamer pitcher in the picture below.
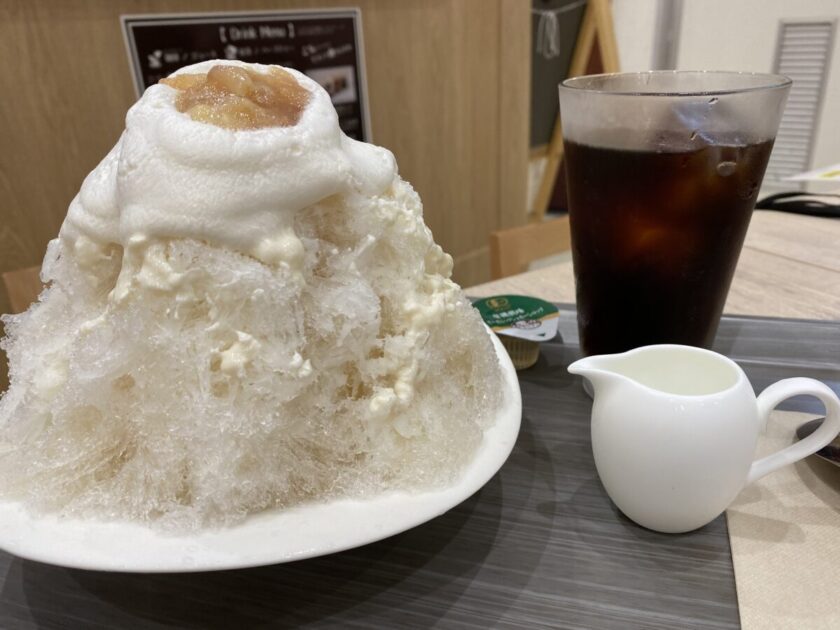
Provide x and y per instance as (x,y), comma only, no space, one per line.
(674,431)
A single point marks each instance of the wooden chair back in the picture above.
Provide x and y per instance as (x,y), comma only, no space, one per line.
(512,250)
(23,287)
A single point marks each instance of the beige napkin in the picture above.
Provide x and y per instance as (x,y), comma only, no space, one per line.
(785,536)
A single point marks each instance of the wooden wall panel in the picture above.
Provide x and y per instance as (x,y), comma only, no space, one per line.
(448,88)
(514,112)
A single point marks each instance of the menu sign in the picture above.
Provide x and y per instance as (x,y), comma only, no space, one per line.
(324,45)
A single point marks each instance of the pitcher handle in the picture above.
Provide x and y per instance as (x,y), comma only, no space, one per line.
(828,430)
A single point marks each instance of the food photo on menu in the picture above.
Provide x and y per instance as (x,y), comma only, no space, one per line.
(519,316)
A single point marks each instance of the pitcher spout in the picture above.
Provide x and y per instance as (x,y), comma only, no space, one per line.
(593,369)
(587,366)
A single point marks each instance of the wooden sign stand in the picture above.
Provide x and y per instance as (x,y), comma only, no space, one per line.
(595,51)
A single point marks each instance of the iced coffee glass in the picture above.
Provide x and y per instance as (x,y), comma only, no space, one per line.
(662,171)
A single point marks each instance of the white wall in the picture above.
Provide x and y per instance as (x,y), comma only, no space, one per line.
(635,23)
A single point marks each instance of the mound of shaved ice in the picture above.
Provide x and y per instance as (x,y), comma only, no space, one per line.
(189,385)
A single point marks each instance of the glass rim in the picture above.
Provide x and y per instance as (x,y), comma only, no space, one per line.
(772,82)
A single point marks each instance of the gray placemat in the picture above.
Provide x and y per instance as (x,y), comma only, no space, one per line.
(539,546)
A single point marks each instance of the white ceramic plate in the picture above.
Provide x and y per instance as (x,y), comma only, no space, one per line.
(267,538)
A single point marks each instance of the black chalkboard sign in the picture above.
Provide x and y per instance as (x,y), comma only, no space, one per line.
(324,45)
(554,27)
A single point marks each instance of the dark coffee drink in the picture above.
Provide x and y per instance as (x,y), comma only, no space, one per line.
(656,236)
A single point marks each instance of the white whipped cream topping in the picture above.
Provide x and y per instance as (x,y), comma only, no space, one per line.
(171,176)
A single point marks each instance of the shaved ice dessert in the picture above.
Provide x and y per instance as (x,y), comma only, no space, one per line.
(245,311)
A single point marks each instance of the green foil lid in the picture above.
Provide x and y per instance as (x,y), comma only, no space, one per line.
(519,316)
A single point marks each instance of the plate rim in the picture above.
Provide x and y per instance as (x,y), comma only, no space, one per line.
(86,543)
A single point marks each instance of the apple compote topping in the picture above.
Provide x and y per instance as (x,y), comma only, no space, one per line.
(237,98)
